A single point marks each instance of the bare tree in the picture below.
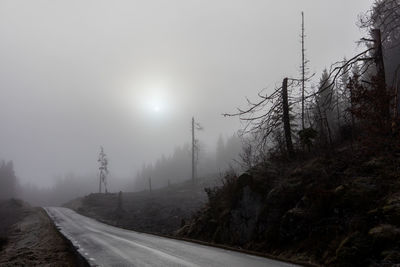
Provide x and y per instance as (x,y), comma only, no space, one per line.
(103,169)
(195,148)
(385,16)
(286,118)
(265,116)
(303,70)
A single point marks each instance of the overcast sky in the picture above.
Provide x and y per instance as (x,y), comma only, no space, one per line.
(129,75)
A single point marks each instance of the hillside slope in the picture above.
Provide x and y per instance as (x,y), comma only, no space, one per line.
(339,209)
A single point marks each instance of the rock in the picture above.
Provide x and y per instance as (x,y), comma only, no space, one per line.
(384,233)
(244,217)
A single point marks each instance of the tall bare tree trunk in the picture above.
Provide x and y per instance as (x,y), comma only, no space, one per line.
(380,67)
(193,152)
(303,70)
(286,118)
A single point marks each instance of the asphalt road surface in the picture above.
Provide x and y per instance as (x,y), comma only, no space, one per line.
(105,245)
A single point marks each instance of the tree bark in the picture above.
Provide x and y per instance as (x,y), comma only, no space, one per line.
(286,119)
(380,68)
(193,151)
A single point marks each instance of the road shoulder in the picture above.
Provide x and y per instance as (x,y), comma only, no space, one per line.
(34,241)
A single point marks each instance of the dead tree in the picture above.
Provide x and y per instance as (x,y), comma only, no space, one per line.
(271,112)
(305,77)
(195,148)
(193,152)
(378,57)
(303,70)
(286,119)
(103,169)
(380,67)
(263,118)
(385,16)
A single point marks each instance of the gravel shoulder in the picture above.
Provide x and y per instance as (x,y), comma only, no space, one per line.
(34,241)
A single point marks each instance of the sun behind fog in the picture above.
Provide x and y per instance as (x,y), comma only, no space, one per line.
(156,101)
(150,99)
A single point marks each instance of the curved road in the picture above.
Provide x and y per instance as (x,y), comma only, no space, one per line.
(105,245)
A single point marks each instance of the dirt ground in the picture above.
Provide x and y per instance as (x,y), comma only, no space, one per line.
(34,241)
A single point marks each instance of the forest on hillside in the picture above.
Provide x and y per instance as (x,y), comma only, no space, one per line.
(324,186)
(353,97)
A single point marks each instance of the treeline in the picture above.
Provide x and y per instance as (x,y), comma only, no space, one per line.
(8,180)
(177,167)
(173,169)
(355,99)
(64,189)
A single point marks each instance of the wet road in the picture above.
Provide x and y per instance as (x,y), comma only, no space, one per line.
(105,245)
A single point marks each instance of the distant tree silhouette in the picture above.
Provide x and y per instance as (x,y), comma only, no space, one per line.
(8,180)
(103,169)
(176,168)
(195,148)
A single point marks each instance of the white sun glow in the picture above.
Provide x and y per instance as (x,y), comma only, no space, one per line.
(156,101)
(151,99)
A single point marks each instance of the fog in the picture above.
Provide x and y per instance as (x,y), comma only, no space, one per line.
(129,76)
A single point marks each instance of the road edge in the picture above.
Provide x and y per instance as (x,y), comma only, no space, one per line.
(204,243)
(81,260)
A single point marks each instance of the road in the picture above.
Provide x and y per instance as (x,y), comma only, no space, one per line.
(105,245)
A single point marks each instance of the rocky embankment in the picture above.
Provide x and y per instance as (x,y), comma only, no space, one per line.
(341,209)
(29,238)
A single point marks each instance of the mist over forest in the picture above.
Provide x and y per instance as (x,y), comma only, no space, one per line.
(166,170)
(130,76)
(154,133)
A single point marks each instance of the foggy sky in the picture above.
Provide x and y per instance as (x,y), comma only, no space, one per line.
(128,75)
